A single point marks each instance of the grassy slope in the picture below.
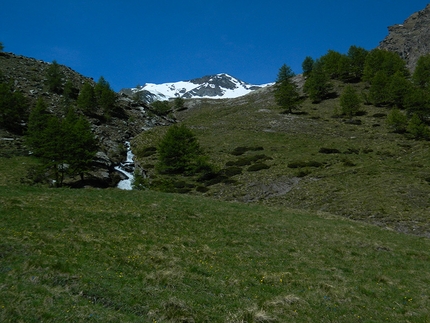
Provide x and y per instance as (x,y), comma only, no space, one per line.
(379,176)
(117,256)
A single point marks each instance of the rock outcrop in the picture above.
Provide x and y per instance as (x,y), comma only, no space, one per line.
(28,76)
(411,39)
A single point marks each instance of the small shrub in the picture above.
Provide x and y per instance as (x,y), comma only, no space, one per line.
(329,151)
(232,171)
(347,162)
(245,161)
(257,167)
(397,121)
(303,172)
(147,151)
(302,164)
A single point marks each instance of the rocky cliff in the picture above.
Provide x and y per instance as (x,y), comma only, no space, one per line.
(410,39)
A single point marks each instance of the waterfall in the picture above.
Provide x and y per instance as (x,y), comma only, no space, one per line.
(126,168)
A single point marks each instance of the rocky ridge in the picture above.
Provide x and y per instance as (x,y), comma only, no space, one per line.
(218,86)
(410,39)
(28,75)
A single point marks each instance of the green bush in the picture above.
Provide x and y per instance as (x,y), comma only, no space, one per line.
(180,152)
(397,120)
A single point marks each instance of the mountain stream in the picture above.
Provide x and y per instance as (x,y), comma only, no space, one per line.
(127,169)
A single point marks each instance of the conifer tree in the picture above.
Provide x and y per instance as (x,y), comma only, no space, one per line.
(350,101)
(398,89)
(13,108)
(66,146)
(105,97)
(307,66)
(378,92)
(357,56)
(54,78)
(180,152)
(318,85)
(397,120)
(421,76)
(87,101)
(286,93)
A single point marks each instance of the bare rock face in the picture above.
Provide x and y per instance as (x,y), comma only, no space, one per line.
(410,40)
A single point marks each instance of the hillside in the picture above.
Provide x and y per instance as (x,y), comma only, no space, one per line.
(133,256)
(311,159)
(29,77)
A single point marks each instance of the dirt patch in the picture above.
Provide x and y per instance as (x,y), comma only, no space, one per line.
(258,191)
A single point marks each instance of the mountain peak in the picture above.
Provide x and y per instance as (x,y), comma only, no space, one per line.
(216,86)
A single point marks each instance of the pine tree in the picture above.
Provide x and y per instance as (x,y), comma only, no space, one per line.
(378,92)
(398,89)
(180,152)
(350,101)
(54,78)
(397,120)
(285,73)
(385,61)
(421,76)
(87,101)
(357,56)
(418,129)
(307,66)
(13,108)
(286,93)
(105,97)
(37,123)
(80,142)
(66,146)
(318,85)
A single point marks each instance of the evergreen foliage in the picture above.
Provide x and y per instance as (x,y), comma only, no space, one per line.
(285,73)
(307,66)
(54,78)
(87,101)
(1,47)
(13,108)
(286,93)
(397,120)
(178,103)
(161,108)
(350,101)
(180,152)
(378,92)
(379,60)
(398,89)
(318,85)
(105,97)
(330,63)
(417,101)
(421,76)
(66,146)
(418,129)
(357,56)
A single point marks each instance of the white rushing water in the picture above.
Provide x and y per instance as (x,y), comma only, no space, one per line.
(127,168)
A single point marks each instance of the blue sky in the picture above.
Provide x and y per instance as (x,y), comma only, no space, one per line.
(137,42)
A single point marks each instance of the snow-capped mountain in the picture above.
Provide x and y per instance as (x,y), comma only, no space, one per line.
(219,86)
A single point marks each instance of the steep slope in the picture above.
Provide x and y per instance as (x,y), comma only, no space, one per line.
(28,76)
(212,86)
(410,39)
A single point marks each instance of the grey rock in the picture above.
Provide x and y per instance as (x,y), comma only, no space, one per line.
(410,40)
